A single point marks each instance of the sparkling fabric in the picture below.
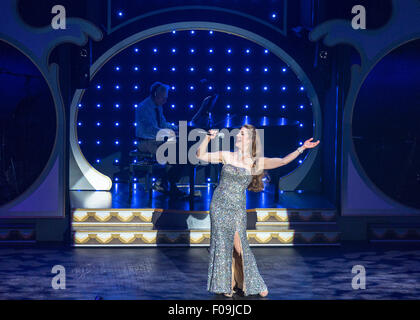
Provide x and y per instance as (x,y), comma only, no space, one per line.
(227,215)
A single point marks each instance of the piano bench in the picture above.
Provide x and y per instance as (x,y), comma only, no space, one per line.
(143,162)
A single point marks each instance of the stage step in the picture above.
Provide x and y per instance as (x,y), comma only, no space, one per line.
(156,227)
(264,215)
(283,215)
(113,216)
(394,233)
(17,233)
(187,238)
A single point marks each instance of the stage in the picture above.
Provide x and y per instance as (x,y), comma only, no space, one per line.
(102,99)
(181,273)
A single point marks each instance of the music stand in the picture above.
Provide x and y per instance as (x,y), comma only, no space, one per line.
(204,112)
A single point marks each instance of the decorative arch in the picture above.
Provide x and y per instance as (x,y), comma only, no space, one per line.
(359,194)
(37,44)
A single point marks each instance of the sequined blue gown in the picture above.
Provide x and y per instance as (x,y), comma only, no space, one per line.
(227,215)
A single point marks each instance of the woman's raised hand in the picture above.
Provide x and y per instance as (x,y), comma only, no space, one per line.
(308,144)
(213,133)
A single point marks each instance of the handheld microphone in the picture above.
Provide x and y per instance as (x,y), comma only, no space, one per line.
(219,135)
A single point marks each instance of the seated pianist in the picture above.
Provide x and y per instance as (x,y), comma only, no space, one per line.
(150,119)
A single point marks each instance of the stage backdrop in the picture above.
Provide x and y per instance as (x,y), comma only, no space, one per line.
(261,76)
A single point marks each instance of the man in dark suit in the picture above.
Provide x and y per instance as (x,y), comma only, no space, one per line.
(150,119)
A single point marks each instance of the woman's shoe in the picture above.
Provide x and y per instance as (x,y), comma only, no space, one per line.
(229,295)
(264,293)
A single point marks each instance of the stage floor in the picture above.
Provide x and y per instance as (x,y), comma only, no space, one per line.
(119,197)
(392,272)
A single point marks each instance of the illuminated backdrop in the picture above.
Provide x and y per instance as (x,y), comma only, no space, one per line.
(254,86)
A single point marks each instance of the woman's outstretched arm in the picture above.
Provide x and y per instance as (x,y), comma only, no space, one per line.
(272,163)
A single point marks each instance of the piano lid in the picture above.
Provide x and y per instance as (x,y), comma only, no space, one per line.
(203,117)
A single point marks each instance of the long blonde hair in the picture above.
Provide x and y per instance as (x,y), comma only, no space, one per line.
(258,173)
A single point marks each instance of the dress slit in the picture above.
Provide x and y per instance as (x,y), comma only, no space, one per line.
(236,273)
